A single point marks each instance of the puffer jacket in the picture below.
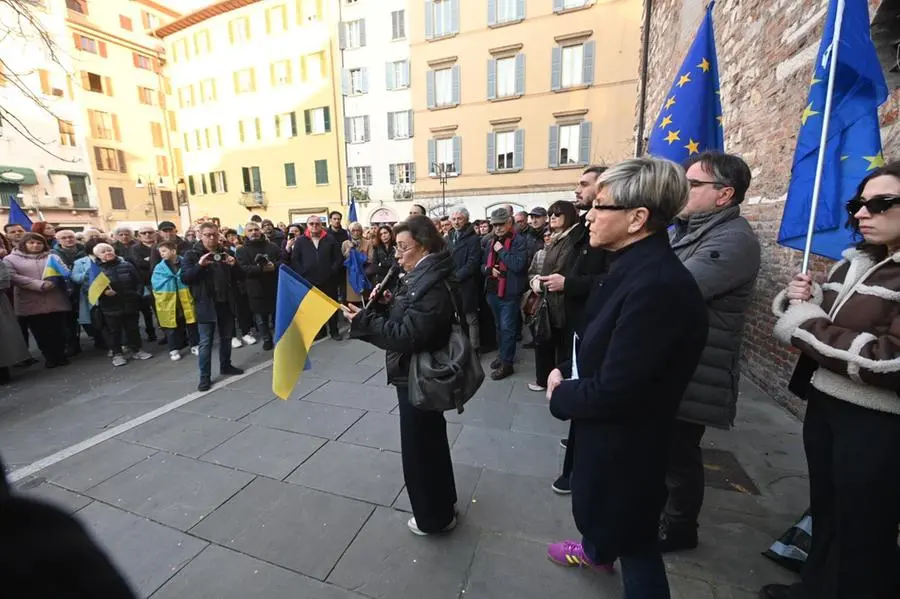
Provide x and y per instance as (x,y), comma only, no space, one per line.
(128,284)
(722,252)
(418,319)
(29,296)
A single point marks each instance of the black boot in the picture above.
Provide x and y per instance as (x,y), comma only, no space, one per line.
(5,375)
(501,373)
(677,537)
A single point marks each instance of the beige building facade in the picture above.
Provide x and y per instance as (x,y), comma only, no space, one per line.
(512,99)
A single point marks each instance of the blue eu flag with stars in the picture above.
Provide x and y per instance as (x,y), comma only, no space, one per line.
(690,121)
(853,144)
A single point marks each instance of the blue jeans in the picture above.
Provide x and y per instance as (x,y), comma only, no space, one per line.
(225,324)
(643,574)
(506,319)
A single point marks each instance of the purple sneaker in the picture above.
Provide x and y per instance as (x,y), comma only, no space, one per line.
(571,554)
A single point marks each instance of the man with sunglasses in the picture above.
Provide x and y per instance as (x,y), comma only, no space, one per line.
(718,247)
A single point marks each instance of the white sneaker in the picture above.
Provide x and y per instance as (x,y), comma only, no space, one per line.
(119,360)
(195,350)
(411,523)
(174,355)
(142,355)
(248,339)
(535,387)
(236,343)
(110,354)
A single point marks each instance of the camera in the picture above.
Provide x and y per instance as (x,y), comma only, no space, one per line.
(218,257)
(261,259)
(291,236)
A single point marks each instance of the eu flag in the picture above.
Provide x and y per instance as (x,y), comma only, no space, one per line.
(17,216)
(351,214)
(690,120)
(300,312)
(853,142)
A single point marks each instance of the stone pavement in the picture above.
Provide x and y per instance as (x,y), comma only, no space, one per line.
(238,494)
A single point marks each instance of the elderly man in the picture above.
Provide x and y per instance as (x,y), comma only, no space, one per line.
(69,250)
(141,255)
(259,258)
(465,246)
(316,256)
(124,242)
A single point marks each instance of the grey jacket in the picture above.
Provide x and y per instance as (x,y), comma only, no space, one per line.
(722,252)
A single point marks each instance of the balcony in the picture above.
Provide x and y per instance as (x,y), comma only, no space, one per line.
(360,194)
(253,199)
(81,200)
(404,192)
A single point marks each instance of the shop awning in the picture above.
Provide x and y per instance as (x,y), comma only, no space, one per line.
(52,172)
(18,175)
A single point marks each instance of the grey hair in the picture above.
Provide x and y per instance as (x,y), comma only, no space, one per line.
(653,183)
(462,210)
(123,230)
(100,247)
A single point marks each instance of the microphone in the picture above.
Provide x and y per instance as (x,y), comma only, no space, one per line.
(386,282)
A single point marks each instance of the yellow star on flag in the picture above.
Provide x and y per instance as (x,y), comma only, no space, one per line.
(875,161)
(667,120)
(670,102)
(807,112)
(704,65)
(721,119)
(672,136)
(813,81)
(686,78)
(693,147)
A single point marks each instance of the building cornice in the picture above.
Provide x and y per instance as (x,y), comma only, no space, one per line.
(159,7)
(94,31)
(441,62)
(199,16)
(575,36)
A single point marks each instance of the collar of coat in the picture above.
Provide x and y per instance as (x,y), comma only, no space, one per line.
(696,225)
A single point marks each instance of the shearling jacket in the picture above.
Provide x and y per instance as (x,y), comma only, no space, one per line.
(27,275)
(851,329)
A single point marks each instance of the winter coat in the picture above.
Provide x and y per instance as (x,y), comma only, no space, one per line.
(122,250)
(69,256)
(722,252)
(553,259)
(126,281)
(352,295)
(13,349)
(141,256)
(201,281)
(277,237)
(261,285)
(417,319)
(81,273)
(514,263)
(465,247)
(382,258)
(29,298)
(320,266)
(586,264)
(645,327)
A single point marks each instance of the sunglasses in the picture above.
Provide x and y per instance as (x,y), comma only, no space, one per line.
(874,205)
(610,207)
(557,214)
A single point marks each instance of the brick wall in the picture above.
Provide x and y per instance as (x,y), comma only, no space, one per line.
(766,50)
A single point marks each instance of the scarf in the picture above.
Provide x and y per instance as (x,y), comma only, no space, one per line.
(494,258)
(170,293)
(322,233)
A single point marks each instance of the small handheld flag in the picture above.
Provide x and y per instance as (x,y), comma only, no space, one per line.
(98,282)
(351,214)
(301,311)
(690,120)
(56,271)
(17,216)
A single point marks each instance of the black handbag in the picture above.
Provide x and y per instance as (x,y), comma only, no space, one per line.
(539,322)
(446,379)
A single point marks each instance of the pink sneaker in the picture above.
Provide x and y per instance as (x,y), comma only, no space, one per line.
(571,554)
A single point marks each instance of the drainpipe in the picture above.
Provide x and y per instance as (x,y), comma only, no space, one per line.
(645,60)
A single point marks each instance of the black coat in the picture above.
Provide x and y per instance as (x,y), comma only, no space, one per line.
(260,285)
(320,266)
(200,280)
(126,281)
(418,319)
(181,248)
(585,265)
(277,237)
(466,251)
(140,256)
(383,259)
(645,328)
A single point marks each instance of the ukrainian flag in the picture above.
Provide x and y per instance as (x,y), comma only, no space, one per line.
(301,311)
(56,271)
(98,283)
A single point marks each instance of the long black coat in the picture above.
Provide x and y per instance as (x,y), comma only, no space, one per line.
(261,285)
(645,329)
(466,251)
(140,256)
(585,265)
(322,266)
(200,280)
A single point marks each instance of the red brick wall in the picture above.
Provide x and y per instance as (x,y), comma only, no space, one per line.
(766,50)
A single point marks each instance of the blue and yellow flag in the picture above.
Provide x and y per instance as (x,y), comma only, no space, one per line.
(56,271)
(301,311)
(690,120)
(97,283)
(853,144)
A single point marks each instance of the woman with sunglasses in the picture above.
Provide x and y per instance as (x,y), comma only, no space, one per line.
(848,331)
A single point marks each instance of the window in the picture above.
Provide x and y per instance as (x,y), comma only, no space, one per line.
(125,23)
(560,5)
(442,87)
(180,49)
(86,44)
(239,30)
(251,179)
(318,120)
(78,189)
(79,6)
(281,73)
(398,25)
(286,125)
(276,19)
(203,188)
(117,198)
(290,174)
(207,90)
(192,188)
(570,144)
(108,159)
(357,129)
(217,182)
(572,66)
(507,11)
(445,152)
(244,81)
(441,18)
(404,172)
(162,165)
(150,20)
(186,96)
(142,62)
(397,74)
(360,176)
(309,11)
(167,199)
(506,77)
(314,67)
(198,138)
(187,143)
(93,82)
(321,172)
(156,132)
(103,125)
(145,95)
(400,124)
(506,150)
(353,34)
(202,43)
(358,81)
(250,129)
(66,133)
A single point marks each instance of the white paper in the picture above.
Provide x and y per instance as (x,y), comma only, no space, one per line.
(574,357)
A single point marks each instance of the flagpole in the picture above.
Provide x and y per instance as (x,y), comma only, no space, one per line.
(823,139)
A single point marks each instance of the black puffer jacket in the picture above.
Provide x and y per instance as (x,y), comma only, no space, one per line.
(466,250)
(125,280)
(418,319)
(261,284)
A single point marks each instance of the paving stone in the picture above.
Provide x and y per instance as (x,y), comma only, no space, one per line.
(508,451)
(93,466)
(337,370)
(689,588)
(485,413)
(298,528)
(147,553)
(522,394)
(186,434)
(507,566)
(228,403)
(171,489)
(218,573)
(259,385)
(382,431)
(494,390)
(305,417)
(352,395)
(57,496)
(351,351)
(353,471)
(538,419)
(267,451)
(466,478)
(387,561)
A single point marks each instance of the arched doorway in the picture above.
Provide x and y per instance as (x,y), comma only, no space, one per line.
(383,216)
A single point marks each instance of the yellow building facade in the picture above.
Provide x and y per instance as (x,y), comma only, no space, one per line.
(259,112)
(513,98)
(118,82)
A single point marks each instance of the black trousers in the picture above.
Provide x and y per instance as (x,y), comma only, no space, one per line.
(73,329)
(115,325)
(49,333)
(147,304)
(244,315)
(427,469)
(549,354)
(685,476)
(853,455)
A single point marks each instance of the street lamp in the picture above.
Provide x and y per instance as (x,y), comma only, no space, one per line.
(440,169)
(152,188)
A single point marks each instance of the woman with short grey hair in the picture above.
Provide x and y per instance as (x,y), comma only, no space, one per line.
(644,329)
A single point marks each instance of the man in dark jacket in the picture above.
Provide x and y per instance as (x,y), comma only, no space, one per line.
(340,235)
(465,247)
(211,271)
(168,232)
(718,247)
(505,268)
(140,255)
(259,260)
(317,258)
(68,248)
(124,242)
(272,233)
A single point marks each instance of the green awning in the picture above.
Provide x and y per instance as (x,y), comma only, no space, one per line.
(18,175)
(52,172)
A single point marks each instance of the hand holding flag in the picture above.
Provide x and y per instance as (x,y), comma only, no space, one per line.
(56,271)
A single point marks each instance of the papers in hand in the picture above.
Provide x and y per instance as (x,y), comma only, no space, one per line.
(574,357)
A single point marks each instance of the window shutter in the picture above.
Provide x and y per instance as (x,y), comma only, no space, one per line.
(45,81)
(122,166)
(134,59)
(327,119)
(224,183)
(587,63)
(115,125)
(429,19)
(491,152)
(162,98)
(390,120)
(145,19)
(553,160)
(212,182)
(406,73)
(454,16)
(342,36)
(392,169)
(367,135)
(364,75)
(191,187)
(409,115)
(492,12)
(584,143)
(519,152)
(556,69)
(394,25)
(293,125)
(520,9)
(429,89)
(102,47)
(454,76)
(345,81)
(412,172)
(307,122)
(520,74)
(557,5)
(388,76)
(491,79)
(92,122)
(432,155)
(347,126)
(107,86)
(98,158)
(362,33)
(401,23)
(77,39)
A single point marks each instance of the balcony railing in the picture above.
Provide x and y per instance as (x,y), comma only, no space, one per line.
(403,191)
(253,199)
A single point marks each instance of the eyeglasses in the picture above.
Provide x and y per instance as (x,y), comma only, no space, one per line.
(400,250)
(209,235)
(313,224)
(874,205)
(610,207)
(552,214)
(698,183)
(147,233)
